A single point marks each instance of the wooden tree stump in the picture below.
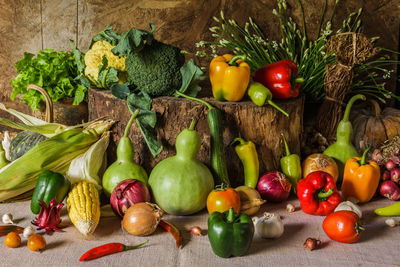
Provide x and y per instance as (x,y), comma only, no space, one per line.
(262,125)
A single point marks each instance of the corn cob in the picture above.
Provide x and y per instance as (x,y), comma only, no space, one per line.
(83,205)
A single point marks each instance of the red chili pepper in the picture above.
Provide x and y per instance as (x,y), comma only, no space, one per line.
(107,249)
(281,78)
(169,227)
(317,193)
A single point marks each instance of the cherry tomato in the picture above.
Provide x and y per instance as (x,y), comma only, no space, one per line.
(13,240)
(222,199)
(36,242)
(342,226)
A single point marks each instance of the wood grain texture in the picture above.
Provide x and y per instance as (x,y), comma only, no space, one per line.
(20,29)
(262,125)
(59,22)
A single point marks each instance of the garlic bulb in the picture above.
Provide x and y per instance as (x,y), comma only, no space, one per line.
(268,226)
(28,231)
(7,218)
(348,205)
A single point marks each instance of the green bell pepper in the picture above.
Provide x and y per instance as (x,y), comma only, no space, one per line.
(50,185)
(291,166)
(230,233)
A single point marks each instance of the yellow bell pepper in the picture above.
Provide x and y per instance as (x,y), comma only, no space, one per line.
(360,178)
(229,77)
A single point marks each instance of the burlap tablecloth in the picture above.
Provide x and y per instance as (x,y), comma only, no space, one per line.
(378,246)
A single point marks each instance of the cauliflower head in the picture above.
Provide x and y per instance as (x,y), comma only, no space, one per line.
(93,59)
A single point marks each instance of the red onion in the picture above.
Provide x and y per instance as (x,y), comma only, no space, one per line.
(385,176)
(274,186)
(390,190)
(126,194)
(390,165)
(395,175)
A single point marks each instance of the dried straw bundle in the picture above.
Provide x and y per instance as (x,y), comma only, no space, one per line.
(350,49)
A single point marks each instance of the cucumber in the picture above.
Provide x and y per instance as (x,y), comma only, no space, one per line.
(217,157)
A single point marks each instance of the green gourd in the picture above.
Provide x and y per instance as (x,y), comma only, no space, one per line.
(180,184)
(26,140)
(124,167)
(343,149)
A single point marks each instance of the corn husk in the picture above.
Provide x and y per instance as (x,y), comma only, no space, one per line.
(6,144)
(90,164)
(55,154)
(32,124)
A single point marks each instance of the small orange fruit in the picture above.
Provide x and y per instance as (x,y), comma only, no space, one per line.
(13,240)
(36,242)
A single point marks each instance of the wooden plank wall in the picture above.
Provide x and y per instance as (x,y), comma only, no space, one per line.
(31,25)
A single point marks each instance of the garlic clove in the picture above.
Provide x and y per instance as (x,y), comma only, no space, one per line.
(7,218)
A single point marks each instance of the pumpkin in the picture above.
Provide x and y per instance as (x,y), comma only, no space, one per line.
(26,140)
(372,126)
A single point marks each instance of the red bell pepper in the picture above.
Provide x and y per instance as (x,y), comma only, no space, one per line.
(317,193)
(281,78)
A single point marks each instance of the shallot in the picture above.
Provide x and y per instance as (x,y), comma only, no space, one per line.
(390,190)
(385,176)
(390,165)
(395,175)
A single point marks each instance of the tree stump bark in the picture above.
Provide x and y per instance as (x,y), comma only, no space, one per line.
(262,125)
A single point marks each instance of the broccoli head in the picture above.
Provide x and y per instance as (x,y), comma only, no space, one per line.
(155,69)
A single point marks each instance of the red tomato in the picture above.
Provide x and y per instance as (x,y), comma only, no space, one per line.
(222,200)
(342,226)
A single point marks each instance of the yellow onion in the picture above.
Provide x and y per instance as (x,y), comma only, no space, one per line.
(320,162)
(250,200)
(142,218)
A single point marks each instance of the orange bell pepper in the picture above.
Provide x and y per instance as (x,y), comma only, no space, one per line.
(229,77)
(360,178)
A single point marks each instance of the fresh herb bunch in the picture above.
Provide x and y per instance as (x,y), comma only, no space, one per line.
(55,71)
(310,55)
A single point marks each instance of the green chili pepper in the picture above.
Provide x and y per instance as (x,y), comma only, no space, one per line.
(391,210)
(260,94)
(290,165)
(50,185)
(230,233)
(247,153)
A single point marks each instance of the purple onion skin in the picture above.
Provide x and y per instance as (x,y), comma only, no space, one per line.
(395,175)
(390,190)
(274,186)
(127,193)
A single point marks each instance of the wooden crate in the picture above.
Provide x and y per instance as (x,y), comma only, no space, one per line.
(262,125)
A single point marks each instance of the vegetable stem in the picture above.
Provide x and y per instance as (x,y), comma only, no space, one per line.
(363,160)
(322,195)
(277,107)
(208,105)
(286,145)
(133,247)
(128,126)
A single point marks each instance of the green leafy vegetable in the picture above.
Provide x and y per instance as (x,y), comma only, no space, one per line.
(146,120)
(54,71)
(192,75)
